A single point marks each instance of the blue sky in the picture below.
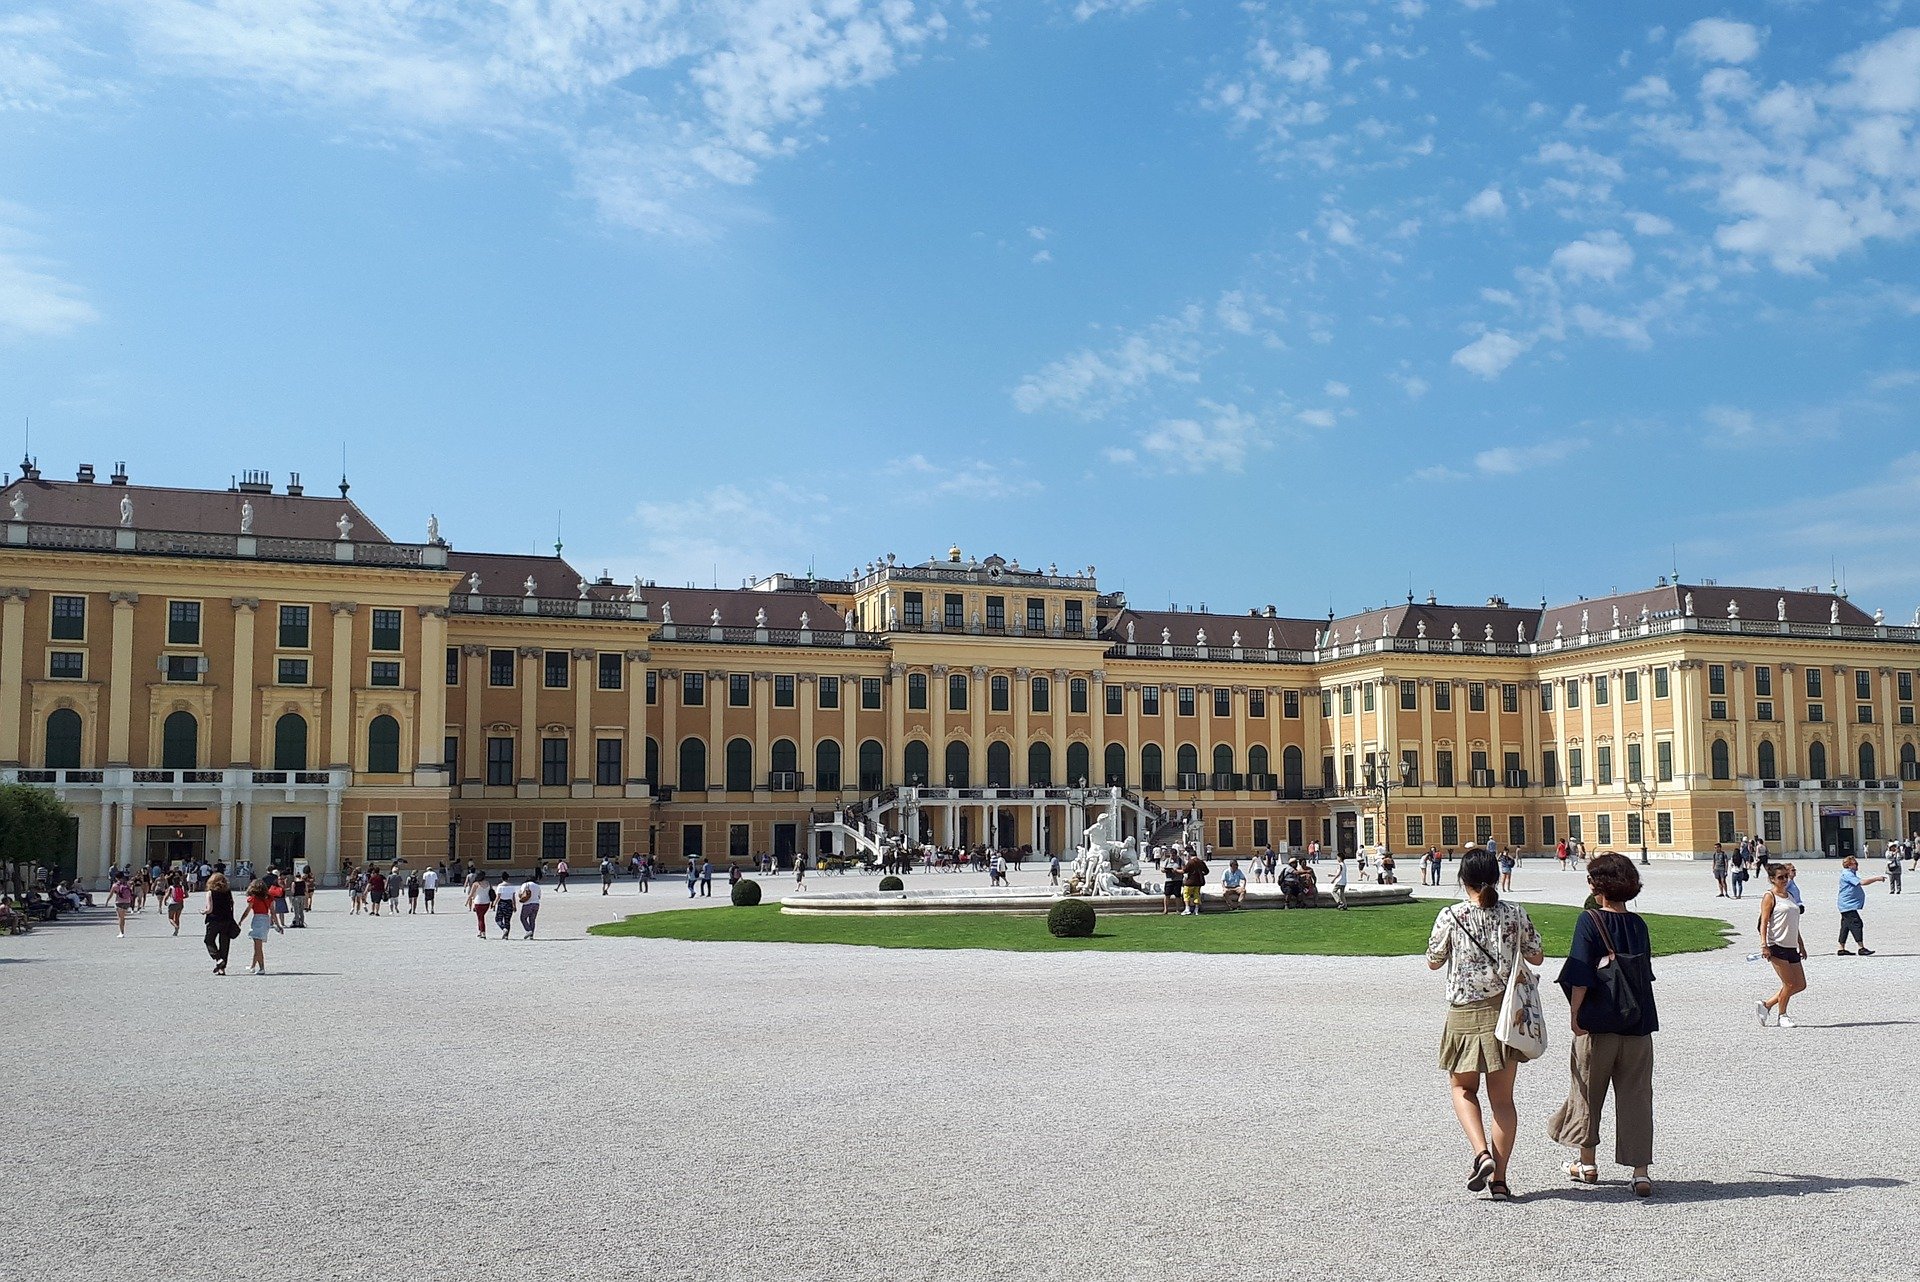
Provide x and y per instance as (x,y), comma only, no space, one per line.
(1306,304)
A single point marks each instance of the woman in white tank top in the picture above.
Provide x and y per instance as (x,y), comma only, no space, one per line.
(1780,941)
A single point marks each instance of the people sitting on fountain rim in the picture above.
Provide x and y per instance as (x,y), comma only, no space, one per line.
(1291,884)
(1233,886)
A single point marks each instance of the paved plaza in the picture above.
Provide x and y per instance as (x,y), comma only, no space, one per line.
(397,1099)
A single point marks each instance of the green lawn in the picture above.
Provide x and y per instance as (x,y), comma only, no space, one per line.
(1390,930)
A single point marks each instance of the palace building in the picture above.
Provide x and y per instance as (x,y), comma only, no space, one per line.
(264,673)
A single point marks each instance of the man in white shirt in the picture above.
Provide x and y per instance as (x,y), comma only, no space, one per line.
(1339,885)
(429,882)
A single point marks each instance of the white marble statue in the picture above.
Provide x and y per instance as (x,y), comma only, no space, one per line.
(1166,636)
(759,618)
(1733,609)
(636,593)
(1489,632)
(666,612)
(846,624)
(893,618)
(1645,613)
(1270,644)
(1689,605)
(583,587)
(246,516)
(1520,633)
(1130,630)
(530,585)
(1559,631)
(715,618)
(1833,612)
(1879,617)
(473,583)
(1420,631)
(1456,632)
(1104,865)
(1780,609)
(1200,637)
(1616,616)
(344,525)
(433,528)
(126,513)
(1236,640)
(18,502)
(1583,623)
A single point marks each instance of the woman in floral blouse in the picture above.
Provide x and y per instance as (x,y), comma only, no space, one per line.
(1476,941)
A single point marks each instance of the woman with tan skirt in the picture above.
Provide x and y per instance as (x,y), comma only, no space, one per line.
(1476,941)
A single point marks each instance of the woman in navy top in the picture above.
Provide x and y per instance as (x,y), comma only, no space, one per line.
(1608,980)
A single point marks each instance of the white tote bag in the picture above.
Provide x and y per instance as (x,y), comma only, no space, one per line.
(1523,1020)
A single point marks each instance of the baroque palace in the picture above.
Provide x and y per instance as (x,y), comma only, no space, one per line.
(265,673)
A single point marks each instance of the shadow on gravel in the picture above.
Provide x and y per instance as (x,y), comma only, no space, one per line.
(1734,1190)
(19,961)
(1866,1023)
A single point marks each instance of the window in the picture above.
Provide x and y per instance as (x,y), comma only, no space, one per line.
(1662,685)
(296,627)
(739,765)
(1257,707)
(386,630)
(917,691)
(1225,835)
(69,618)
(1814,683)
(1716,709)
(1366,697)
(500,667)
(1077,695)
(829,692)
(826,765)
(739,689)
(1816,761)
(954,612)
(783,690)
(1663,760)
(1443,768)
(1546,696)
(1326,703)
(1410,767)
(1663,827)
(1869,762)
(1770,826)
(1223,701)
(1576,768)
(383,838)
(1186,707)
(739,841)
(1716,678)
(179,742)
(1864,714)
(183,623)
(1409,696)
(453,665)
(914,606)
(1290,704)
(1152,768)
(693,841)
(1476,696)
(1477,763)
(1720,760)
(290,742)
(1149,701)
(1633,829)
(693,689)
(1042,694)
(185,667)
(1872,821)
(1905,680)
(1509,697)
(500,840)
(1573,692)
(956,692)
(652,762)
(1549,768)
(1449,830)
(997,613)
(383,746)
(63,740)
(1260,834)
(1724,829)
(499,761)
(1603,764)
(450,757)
(66,665)
(693,765)
(383,672)
(1516,831)
(1036,614)
(1075,623)
(1602,690)
(870,693)
(1603,829)
(610,676)
(1763,710)
(1862,684)
(553,840)
(1816,712)
(653,688)
(1116,699)
(872,766)
(1634,764)
(606,839)
(1768,767)
(1763,681)
(1630,686)
(1416,831)
(1483,828)
(608,769)
(1443,696)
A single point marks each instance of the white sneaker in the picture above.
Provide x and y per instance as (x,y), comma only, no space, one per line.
(1787,1023)
(1760,1009)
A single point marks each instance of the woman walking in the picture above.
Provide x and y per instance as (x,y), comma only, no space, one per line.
(1478,942)
(222,929)
(1781,943)
(259,914)
(1614,1020)
(123,897)
(176,898)
(480,900)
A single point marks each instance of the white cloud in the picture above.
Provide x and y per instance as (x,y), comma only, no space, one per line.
(727,532)
(35,50)
(1583,160)
(34,302)
(971,479)
(1488,204)
(1651,89)
(1720,40)
(1220,441)
(1091,383)
(1338,228)
(1321,419)
(1489,355)
(1412,384)
(1042,256)
(1600,256)
(1338,391)
(1039,233)
(1881,77)
(1646,224)
(1511,460)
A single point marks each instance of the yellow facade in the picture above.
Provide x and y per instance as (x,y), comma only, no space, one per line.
(186,687)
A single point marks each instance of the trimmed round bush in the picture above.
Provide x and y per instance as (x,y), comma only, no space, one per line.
(746,893)
(892,883)
(1071,919)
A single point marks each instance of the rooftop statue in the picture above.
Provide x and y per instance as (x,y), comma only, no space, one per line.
(1833,612)
(806,624)
(1421,630)
(666,612)
(1733,608)
(716,616)
(473,583)
(1130,630)
(1780,609)
(1456,632)
(344,525)
(530,585)
(18,502)
(126,512)
(1489,632)
(246,516)
(1689,605)
(760,618)
(583,587)
(433,528)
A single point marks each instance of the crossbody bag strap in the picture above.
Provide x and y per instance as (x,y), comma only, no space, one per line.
(1484,950)
(1606,937)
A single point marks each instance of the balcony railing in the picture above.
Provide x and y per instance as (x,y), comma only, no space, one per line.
(199,543)
(142,777)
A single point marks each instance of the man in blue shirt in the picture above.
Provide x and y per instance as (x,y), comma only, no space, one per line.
(1853,897)
(1233,886)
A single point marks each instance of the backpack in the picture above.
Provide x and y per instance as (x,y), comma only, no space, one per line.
(1623,983)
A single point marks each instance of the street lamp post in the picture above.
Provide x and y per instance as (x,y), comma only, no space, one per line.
(1384,781)
(1641,796)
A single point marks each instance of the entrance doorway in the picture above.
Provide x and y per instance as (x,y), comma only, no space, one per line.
(287,842)
(1296,834)
(1836,835)
(170,845)
(786,840)
(1346,837)
(1009,835)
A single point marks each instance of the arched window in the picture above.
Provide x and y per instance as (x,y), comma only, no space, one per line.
(383,746)
(1869,762)
(873,766)
(1039,766)
(1816,761)
(1721,759)
(1223,758)
(917,770)
(959,766)
(290,742)
(1152,768)
(739,765)
(1293,771)
(180,742)
(826,765)
(63,739)
(693,765)
(999,766)
(653,762)
(1258,763)
(1079,765)
(1186,761)
(1116,766)
(1908,762)
(783,757)
(1768,767)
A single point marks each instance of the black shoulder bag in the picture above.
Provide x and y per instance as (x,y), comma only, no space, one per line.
(1619,980)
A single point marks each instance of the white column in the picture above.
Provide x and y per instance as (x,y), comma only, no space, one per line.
(226,830)
(104,859)
(331,873)
(124,854)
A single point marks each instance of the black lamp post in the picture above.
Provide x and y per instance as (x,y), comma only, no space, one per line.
(1641,796)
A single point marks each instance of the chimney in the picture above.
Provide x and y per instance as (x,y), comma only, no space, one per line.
(85,476)
(253,482)
(293,485)
(119,476)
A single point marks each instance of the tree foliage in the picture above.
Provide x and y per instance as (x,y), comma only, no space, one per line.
(32,820)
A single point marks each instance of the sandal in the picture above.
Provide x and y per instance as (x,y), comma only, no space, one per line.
(1483,1169)
(1498,1191)
(1581,1173)
(1642,1186)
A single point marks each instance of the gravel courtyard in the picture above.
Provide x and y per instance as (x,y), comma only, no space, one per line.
(397,1099)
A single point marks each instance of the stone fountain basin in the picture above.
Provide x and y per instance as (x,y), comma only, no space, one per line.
(1034,901)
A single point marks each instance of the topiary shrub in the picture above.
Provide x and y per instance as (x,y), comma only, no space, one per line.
(1071,919)
(892,883)
(746,893)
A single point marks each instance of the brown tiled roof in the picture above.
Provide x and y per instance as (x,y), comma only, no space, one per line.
(1185,628)
(1757,605)
(275,516)
(1405,620)
(739,606)
(506,574)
